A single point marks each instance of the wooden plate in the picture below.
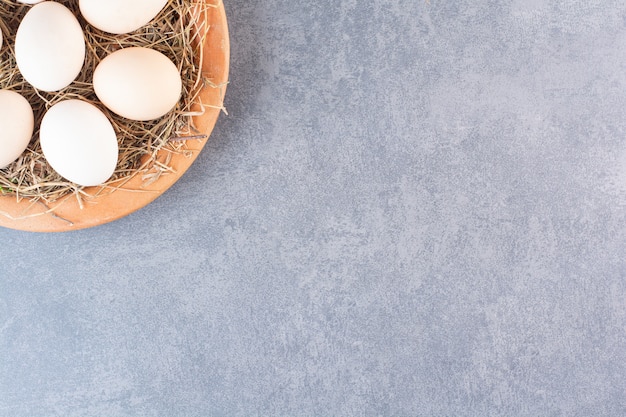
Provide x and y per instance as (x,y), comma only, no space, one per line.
(67,214)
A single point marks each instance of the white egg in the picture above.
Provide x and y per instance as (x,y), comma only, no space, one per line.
(137,83)
(120,16)
(30,1)
(17,122)
(49,46)
(79,142)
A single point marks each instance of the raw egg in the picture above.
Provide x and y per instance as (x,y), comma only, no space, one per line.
(17,124)
(49,46)
(120,16)
(79,142)
(137,83)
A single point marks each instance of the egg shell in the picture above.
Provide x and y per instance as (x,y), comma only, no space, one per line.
(16,126)
(137,83)
(49,46)
(79,142)
(30,1)
(120,16)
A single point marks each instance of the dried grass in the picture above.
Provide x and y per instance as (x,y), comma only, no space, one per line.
(172,32)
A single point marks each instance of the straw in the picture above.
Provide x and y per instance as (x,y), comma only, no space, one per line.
(174,33)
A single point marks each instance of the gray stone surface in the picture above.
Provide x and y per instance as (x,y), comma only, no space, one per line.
(413,209)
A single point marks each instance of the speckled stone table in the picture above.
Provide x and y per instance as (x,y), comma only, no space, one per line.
(413,208)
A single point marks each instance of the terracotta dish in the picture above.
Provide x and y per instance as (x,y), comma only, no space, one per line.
(67,214)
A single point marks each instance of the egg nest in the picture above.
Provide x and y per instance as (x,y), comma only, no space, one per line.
(141,144)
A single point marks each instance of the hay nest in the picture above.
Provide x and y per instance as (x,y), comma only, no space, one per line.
(173,32)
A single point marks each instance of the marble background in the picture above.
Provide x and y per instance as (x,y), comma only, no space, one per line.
(413,208)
